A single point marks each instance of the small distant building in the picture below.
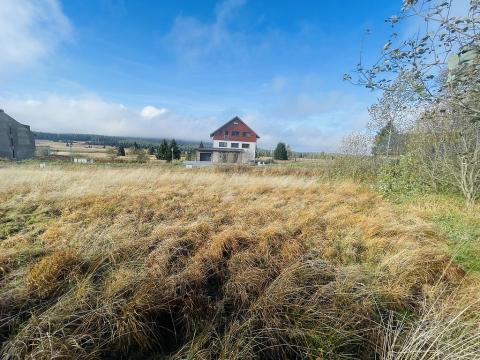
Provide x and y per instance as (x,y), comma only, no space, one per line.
(234,142)
(82,161)
(16,140)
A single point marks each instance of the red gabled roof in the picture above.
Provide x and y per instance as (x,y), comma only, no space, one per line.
(235,119)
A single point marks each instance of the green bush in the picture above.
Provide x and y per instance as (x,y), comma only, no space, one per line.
(358,168)
(400,176)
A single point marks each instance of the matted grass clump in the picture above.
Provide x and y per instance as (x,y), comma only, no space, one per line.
(186,264)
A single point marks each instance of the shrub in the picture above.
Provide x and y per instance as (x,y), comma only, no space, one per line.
(121,151)
(357,167)
(141,156)
(400,176)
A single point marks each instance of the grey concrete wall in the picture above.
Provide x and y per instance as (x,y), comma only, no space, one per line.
(228,158)
(220,157)
(16,140)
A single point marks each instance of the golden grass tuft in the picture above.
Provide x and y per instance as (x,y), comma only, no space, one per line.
(52,273)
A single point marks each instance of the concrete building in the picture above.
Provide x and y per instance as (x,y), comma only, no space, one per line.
(16,140)
(233,142)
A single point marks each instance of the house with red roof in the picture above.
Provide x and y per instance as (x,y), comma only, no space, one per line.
(233,142)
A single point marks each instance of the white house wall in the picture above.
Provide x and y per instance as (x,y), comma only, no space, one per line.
(248,154)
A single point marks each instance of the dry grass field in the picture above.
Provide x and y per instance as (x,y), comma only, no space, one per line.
(107,263)
(78,149)
(84,150)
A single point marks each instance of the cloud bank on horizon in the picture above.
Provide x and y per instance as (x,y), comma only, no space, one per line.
(65,70)
(89,114)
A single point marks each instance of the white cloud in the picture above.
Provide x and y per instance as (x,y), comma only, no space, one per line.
(192,40)
(234,39)
(94,115)
(150,112)
(29,31)
(299,111)
(318,132)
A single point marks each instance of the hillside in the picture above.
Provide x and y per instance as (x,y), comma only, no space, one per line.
(99,262)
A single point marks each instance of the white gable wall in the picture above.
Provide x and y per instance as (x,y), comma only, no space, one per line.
(249,154)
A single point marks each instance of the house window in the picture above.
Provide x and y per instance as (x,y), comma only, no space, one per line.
(222,144)
(234,145)
(245,146)
(246,134)
(226,132)
(235,133)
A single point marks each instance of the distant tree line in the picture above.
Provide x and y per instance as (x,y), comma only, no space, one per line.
(283,151)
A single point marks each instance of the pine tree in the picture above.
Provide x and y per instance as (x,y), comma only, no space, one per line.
(280,152)
(163,151)
(151,150)
(174,150)
(289,151)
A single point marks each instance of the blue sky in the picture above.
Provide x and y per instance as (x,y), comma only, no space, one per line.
(181,68)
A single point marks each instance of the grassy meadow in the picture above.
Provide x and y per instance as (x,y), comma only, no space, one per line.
(79,149)
(161,262)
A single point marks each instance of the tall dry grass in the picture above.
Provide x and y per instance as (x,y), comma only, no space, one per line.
(132,263)
(436,334)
